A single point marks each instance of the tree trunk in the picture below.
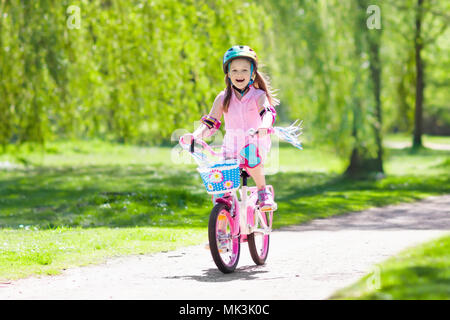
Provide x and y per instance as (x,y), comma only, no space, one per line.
(418,45)
(362,167)
(375,68)
(362,164)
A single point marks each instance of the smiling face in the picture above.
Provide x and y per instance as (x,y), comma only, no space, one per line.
(239,72)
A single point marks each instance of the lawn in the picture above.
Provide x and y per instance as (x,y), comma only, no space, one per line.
(422,272)
(79,202)
(401,137)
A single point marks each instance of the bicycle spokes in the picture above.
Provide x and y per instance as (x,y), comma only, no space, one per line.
(258,240)
(265,225)
(226,243)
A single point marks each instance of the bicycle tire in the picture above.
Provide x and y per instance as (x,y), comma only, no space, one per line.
(213,246)
(259,256)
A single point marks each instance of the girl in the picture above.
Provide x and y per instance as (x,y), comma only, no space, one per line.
(247,102)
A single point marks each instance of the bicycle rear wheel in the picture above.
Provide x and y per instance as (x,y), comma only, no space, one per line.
(225,249)
(258,243)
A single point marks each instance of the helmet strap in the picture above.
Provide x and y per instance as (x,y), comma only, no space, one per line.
(241,91)
(251,73)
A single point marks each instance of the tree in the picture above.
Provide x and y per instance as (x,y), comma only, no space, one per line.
(420,41)
(420,83)
(362,161)
(429,21)
(129,71)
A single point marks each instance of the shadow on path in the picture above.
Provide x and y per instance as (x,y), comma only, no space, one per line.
(214,275)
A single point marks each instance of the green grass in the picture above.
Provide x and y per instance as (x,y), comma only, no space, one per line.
(420,273)
(29,250)
(425,138)
(421,162)
(79,191)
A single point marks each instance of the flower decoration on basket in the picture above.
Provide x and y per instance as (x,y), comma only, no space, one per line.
(228,184)
(215,176)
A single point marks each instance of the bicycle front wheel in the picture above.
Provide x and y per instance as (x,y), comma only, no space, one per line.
(224,247)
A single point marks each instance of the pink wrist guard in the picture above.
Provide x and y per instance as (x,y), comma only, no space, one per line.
(268,114)
(211,123)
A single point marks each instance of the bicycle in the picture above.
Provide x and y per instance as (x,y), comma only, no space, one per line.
(232,220)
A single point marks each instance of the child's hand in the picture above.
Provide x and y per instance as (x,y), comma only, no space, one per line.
(187,138)
(262,132)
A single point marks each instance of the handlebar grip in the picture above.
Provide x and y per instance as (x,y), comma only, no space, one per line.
(192,145)
(269,130)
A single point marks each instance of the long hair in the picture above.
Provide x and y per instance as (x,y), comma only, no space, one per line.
(261,82)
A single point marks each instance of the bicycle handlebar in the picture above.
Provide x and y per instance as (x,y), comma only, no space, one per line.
(251,132)
(289,134)
(190,147)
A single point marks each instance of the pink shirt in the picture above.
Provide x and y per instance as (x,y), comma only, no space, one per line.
(242,115)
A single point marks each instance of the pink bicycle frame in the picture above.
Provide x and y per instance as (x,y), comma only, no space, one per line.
(241,224)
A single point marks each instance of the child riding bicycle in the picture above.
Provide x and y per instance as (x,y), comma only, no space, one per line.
(247,102)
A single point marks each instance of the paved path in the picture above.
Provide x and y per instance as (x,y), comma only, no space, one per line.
(309,261)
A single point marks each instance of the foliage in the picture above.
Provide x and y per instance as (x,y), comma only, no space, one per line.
(137,70)
(134,71)
(324,67)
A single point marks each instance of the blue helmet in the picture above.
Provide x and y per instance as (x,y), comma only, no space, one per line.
(239,52)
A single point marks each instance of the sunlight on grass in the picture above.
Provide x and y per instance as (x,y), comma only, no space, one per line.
(421,273)
(408,138)
(32,251)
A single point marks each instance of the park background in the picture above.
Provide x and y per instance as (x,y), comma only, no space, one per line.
(91,93)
